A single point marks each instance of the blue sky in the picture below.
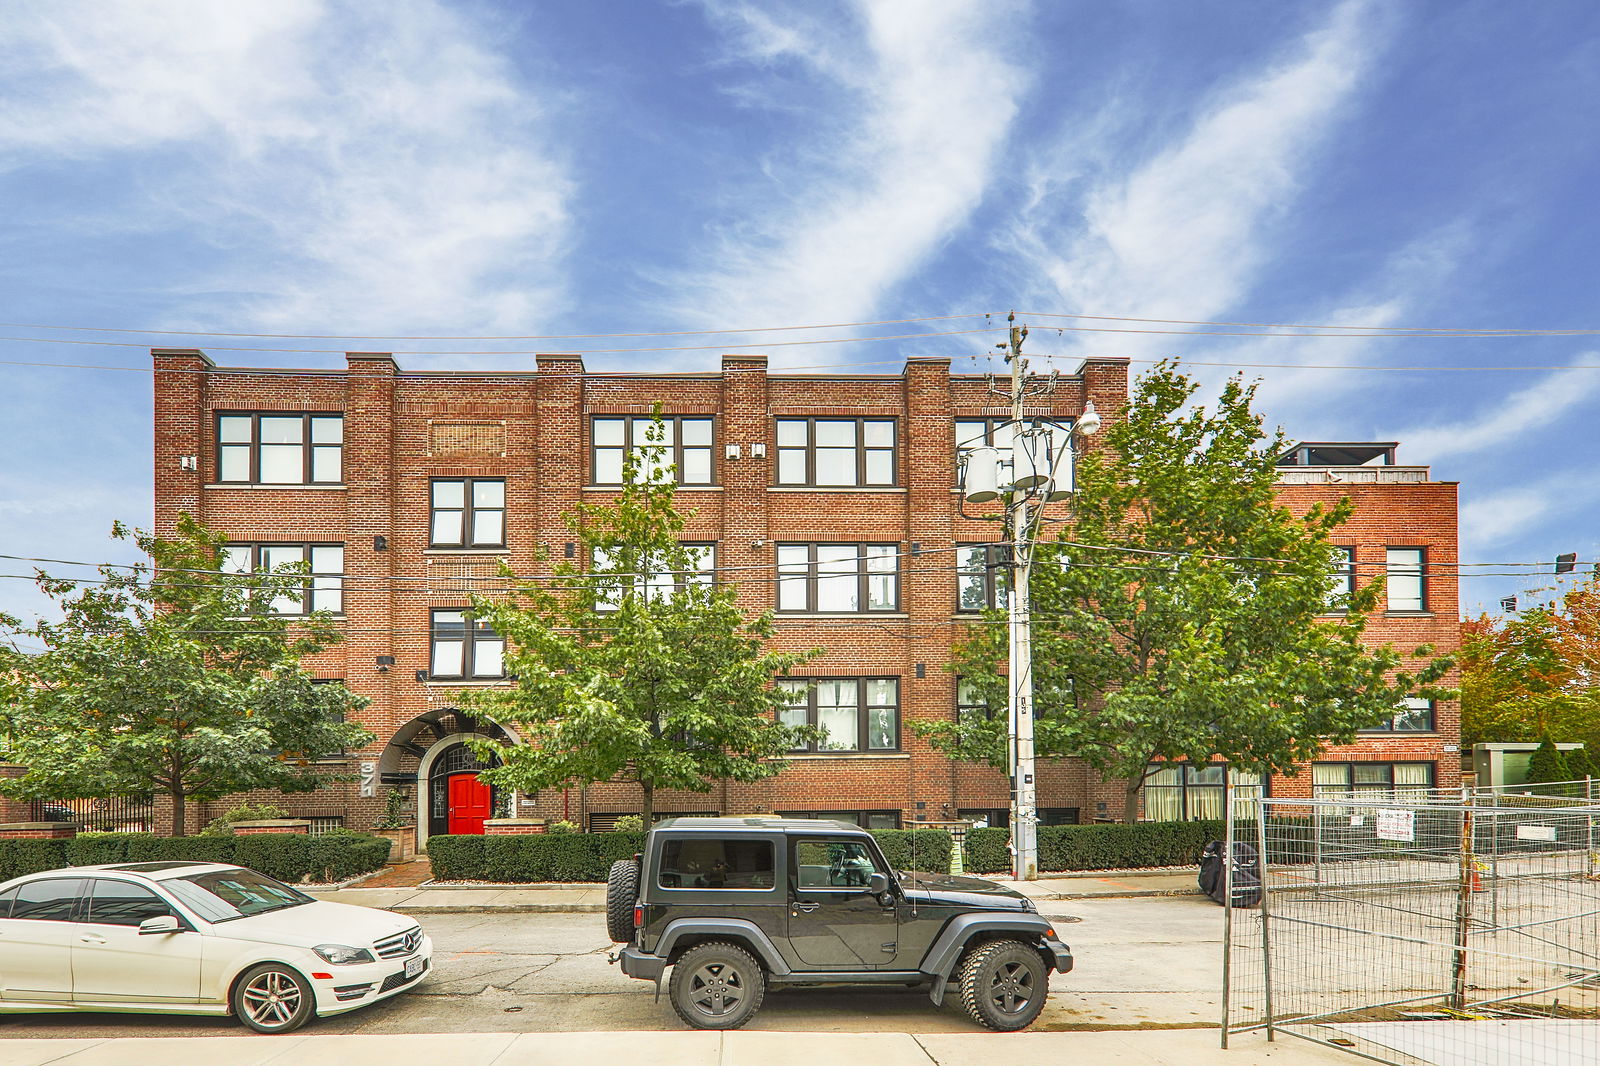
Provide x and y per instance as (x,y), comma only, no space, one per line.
(472,169)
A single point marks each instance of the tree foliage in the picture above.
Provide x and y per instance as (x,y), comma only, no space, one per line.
(1182,613)
(628,666)
(1535,673)
(171,677)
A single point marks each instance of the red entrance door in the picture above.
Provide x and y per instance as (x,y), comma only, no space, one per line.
(469,803)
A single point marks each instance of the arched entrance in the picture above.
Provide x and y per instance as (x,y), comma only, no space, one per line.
(458,802)
(428,756)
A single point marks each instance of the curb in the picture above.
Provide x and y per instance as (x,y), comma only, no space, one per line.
(509,908)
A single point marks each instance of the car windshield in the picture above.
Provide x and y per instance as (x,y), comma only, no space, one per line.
(223,895)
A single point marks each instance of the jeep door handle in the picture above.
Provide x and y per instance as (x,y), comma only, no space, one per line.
(806,908)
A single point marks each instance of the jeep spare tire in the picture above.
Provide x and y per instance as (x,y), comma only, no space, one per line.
(622,892)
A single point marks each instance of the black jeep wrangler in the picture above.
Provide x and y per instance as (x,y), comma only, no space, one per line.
(735,904)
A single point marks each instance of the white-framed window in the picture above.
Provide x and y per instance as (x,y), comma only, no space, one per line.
(463,648)
(855,713)
(1406,583)
(322,588)
(280,448)
(687,445)
(838,578)
(1344,577)
(467,512)
(836,452)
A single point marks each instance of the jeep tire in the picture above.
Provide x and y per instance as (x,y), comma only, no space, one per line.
(717,985)
(622,892)
(1003,984)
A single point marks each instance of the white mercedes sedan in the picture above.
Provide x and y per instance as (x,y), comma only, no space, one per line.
(197,938)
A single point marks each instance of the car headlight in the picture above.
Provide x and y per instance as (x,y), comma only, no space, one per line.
(342,954)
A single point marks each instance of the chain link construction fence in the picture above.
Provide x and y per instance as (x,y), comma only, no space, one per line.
(1419,926)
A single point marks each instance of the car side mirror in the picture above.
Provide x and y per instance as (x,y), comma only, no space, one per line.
(161,923)
(878,884)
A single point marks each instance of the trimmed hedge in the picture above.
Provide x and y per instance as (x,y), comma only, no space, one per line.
(289,857)
(1110,846)
(927,850)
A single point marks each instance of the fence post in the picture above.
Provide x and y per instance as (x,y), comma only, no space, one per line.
(1227,894)
(1458,975)
(1266,913)
(1588,801)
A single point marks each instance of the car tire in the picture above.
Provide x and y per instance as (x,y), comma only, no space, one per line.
(717,985)
(1003,984)
(273,998)
(622,892)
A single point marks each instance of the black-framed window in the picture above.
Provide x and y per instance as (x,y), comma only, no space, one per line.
(467,512)
(986,817)
(1183,792)
(1414,715)
(837,452)
(464,649)
(1344,577)
(865,819)
(970,706)
(1377,778)
(323,587)
(1407,579)
(280,448)
(687,445)
(838,578)
(983,576)
(656,582)
(855,713)
(714,862)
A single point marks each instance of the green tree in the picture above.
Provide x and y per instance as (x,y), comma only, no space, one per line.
(1580,764)
(631,664)
(1182,613)
(1548,764)
(171,677)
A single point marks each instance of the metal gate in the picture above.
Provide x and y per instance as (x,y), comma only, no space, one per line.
(1420,925)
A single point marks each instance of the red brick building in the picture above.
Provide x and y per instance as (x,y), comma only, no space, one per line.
(832,495)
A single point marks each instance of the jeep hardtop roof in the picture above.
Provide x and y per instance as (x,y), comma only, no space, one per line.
(768,824)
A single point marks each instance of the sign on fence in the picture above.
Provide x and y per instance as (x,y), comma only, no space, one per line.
(1397,825)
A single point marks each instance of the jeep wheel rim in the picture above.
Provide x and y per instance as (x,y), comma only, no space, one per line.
(716,989)
(272,999)
(1011,988)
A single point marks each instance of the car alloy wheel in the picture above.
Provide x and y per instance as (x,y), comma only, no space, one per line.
(717,986)
(272,999)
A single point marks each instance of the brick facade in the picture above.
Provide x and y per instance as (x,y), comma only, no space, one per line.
(532,428)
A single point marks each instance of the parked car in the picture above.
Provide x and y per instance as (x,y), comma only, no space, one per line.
(734,905)
(197,938)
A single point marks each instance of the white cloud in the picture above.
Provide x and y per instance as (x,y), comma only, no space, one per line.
(1186,233)
(360,167)
(1531,410)
(847,215)
(1500,518)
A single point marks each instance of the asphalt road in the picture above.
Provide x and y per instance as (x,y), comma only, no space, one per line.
(1152,962)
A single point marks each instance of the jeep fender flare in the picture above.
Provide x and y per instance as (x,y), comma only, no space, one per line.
(946,949)
(733,928)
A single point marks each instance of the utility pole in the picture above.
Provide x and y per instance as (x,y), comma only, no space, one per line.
(1022,523)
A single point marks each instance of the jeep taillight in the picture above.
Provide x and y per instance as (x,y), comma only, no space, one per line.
(638,915)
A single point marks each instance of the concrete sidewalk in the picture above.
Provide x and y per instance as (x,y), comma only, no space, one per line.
(591,898)
(1170,1047)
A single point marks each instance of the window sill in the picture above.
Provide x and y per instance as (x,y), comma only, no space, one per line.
(1423,734)
(319,487)
(847,756)
(677,488)
(837,488)
(862,615)
(1409,614)
(466,551)
(445,682)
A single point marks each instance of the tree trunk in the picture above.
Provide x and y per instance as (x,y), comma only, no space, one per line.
(179,815)
(1130,799)
(649,809)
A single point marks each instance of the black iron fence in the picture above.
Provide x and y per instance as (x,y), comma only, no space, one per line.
(111,814)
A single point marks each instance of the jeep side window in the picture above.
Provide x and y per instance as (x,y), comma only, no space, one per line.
(833,864)
(699,862)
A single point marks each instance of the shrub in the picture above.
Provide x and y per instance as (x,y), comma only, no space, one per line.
(927,850)
(286,856)
(397,811)
(561,827)
(243,813)
(1548,764)
(628,823)
(457,858)
(1096,847)
(19,857)
(987,851)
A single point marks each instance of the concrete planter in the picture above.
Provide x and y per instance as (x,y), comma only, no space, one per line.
(402,842)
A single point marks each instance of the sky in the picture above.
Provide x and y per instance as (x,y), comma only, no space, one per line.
(564,170)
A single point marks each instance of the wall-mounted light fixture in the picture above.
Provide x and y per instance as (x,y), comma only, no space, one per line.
(731,451)
(380,543)
(422,675)
(384,662)
(188,462)
(757,545)
(758,450)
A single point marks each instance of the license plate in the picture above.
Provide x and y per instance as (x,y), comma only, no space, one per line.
(415,966)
